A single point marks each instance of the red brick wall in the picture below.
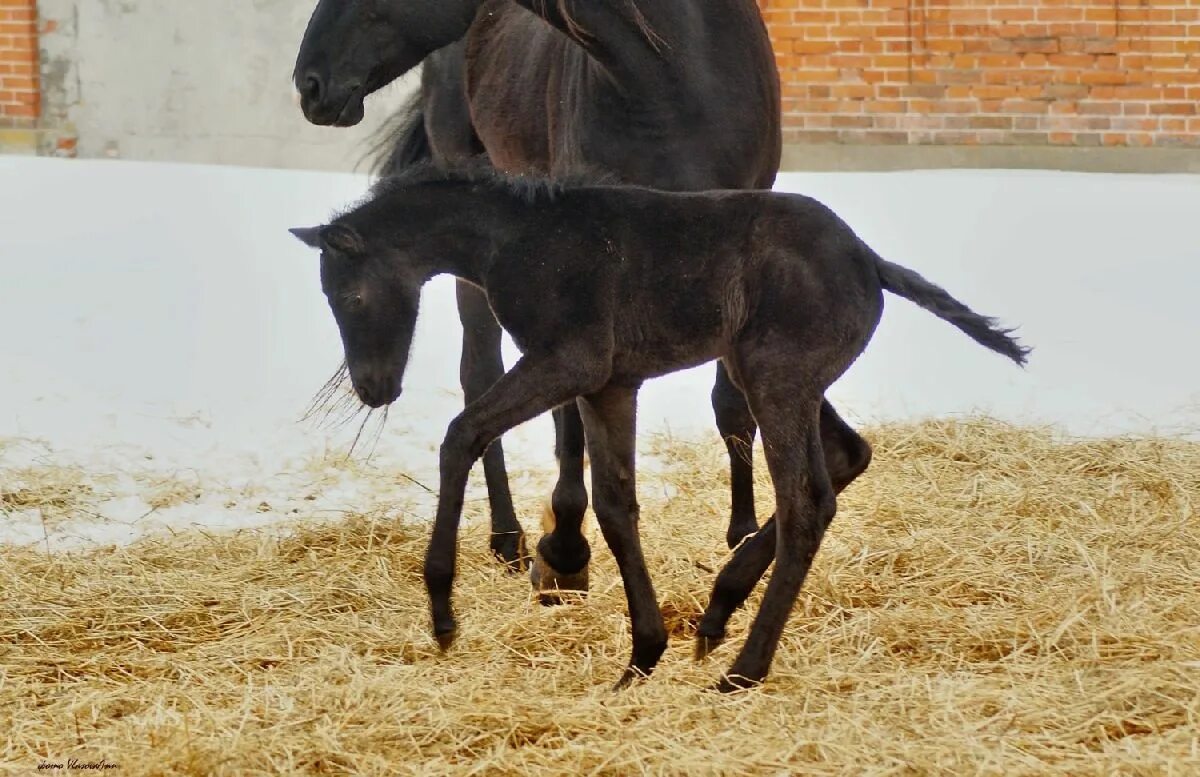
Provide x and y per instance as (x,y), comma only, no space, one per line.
(1062,72)
(19,95)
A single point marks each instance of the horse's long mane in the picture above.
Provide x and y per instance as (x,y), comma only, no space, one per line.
(652,38)
(656,41)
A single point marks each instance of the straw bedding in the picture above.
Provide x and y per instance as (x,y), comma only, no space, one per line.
(990,599)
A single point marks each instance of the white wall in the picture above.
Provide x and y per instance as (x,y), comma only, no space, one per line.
(192,81)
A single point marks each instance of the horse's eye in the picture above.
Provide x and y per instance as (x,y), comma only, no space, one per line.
(354,302)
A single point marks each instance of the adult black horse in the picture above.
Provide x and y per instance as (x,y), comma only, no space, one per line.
(674,94)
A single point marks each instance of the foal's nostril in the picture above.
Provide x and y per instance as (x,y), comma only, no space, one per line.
(312,88)
(365,395)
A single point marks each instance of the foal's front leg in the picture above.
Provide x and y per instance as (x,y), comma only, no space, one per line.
(609,418)
(481,366)
(532,387)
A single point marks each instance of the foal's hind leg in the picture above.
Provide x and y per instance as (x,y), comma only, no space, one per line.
(738,429)
(788,411)
(561,563)
(609,418)
(847,456)
(481,366)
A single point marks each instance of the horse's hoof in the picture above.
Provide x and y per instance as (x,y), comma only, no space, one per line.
(734,683)
(553,587)
(511,551)
(706,644)
(445,638)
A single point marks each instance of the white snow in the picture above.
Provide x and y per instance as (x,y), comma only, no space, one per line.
(160,329)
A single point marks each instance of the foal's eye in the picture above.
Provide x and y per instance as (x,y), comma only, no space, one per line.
(353,302)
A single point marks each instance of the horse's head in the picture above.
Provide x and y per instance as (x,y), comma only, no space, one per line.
(354,47)
(374,299)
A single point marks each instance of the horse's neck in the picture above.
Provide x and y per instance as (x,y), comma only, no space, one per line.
(549,102)
(617,35)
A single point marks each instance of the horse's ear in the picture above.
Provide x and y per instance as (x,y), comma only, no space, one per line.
(342,239)
(309,236)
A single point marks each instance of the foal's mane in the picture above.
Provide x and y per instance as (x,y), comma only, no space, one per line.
(530,188)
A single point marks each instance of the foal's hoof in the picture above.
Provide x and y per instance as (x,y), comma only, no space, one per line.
(706,644)
(737,535)
(553,587)
(734,683)
(511,551)
(445,638)
(629,677)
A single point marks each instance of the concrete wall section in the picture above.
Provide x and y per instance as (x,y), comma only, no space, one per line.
(189,81)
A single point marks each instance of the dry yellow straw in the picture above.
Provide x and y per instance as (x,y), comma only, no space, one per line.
(990,600)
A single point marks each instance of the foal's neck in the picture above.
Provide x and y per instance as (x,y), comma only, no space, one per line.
(471,225)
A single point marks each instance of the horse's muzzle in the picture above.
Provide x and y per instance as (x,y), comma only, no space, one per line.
(326,106)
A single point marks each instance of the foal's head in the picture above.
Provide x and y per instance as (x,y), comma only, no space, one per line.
(374,296)
(355,47)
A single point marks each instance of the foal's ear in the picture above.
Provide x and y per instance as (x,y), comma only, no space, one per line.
(309,236)
(342,239)
(337,238)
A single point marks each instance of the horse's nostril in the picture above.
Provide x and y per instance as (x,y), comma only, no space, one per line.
(365,395)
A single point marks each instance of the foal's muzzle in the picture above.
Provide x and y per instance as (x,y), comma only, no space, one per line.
(377,391)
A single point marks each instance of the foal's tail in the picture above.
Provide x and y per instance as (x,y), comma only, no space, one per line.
(401,142)
(983,330)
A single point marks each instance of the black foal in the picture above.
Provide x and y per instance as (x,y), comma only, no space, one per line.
(775,285)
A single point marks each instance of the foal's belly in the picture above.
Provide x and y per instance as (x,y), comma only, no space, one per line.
(642,358)
(632,370)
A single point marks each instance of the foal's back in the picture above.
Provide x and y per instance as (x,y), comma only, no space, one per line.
(680,277)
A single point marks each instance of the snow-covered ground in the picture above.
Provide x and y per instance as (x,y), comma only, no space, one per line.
(161,331)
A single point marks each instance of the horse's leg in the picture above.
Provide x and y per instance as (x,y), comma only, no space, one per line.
(847,456)
(789,414)
(530,388)
(737,427)
(561,563)
(609,418)
(480,368)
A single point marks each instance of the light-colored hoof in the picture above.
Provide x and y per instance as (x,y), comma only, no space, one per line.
(553,587)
